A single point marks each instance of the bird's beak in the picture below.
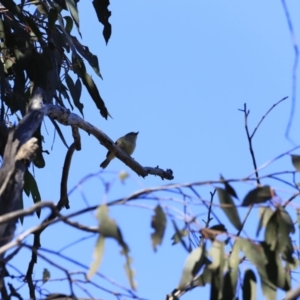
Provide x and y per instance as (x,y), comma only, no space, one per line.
(136,133)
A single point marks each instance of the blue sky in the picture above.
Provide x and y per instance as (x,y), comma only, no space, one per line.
(177,72)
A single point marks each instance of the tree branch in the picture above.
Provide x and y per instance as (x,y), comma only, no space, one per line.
(65,117)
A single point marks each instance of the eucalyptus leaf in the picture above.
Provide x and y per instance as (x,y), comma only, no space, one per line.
(229,208)
(108,228)
(158,223)
(103,14)
(98,254)
(192,266)
(296,161)
(258,195)
(249,285)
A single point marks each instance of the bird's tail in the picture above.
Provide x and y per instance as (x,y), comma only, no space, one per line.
(105,163)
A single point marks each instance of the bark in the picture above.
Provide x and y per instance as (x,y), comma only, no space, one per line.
(19,151)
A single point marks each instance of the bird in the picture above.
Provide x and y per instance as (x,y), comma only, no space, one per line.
(127,143)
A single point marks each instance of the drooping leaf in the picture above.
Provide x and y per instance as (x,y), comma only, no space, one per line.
(271,232)
(256,254)
(177,236)
(286,218)
(31,185)
(69,24)
(265,214)
(98,254)
(46,275)
(75,91)
(277,234)
(103,14)
(60,134)
(234,256)
(249,285)
(158,223)
(253,252)
(258,195)
(205,277)
(217,254)
(109,229)
(275,271)
(229,208)
(52,18)
(228,286)
(229,189)
(296,162)
(21,206)
(192,266)
(79,68)
(85,52)
(72,7)
(39,161)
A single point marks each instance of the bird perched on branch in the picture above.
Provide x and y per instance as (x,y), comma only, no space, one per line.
(127,143)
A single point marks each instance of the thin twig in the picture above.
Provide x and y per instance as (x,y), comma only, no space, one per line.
(294,72)
(264,116)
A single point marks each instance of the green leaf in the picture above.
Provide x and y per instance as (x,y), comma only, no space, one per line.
(177,236)
(229,286)
(79,68)
(39,161)
(52,18)
(109,229)
(234,256)
(46,275)
(249,286)
(229,208)
(229,189)
(216,252)
(20,205)
(277,234)
(85,52)
(205,277)
(296,162)
(257,256)
(286,218)
(265,214)
(69,24)
(75,91)
(60,134)
(72,7)
(192,266)
(158,223)
(98,254)
(103,14)
(275,271)
(258,195)
(253,252)
(271,232)
(30,182)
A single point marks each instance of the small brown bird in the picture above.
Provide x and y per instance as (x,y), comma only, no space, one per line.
(127,143)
